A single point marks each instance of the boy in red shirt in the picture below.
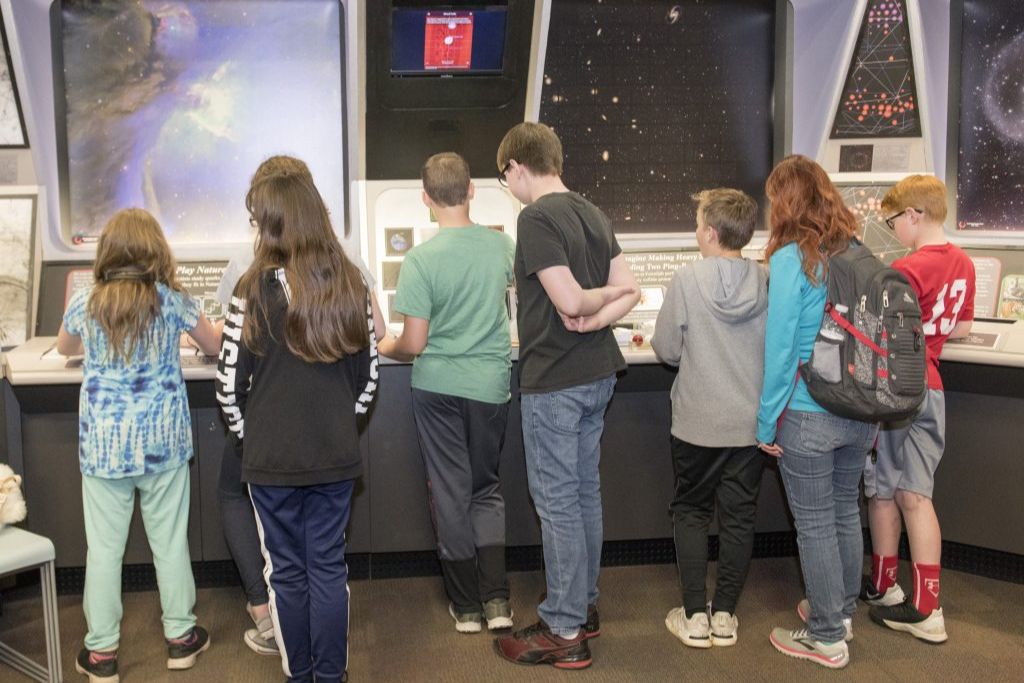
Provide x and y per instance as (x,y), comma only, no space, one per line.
(901,479)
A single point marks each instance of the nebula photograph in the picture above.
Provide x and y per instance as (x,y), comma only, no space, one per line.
(990,175)
(172,104)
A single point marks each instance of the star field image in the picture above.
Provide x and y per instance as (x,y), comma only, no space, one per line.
(879,98)
(654,101)
(171,106)
(990,177)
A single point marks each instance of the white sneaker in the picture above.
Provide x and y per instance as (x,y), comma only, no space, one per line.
(723,629)
(803,610)
(694,632)
(801,645)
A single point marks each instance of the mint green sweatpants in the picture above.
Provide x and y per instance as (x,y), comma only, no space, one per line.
(109,504)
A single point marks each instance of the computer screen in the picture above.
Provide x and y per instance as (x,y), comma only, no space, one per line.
(171,106)
(447,40)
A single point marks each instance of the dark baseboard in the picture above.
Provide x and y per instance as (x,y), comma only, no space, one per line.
(992,564)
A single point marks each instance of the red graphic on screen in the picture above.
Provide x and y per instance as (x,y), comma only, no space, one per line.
(448,40)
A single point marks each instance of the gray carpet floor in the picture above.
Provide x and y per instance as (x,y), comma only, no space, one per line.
(401,632)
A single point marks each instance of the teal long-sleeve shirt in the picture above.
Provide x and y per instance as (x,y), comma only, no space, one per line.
(795,307)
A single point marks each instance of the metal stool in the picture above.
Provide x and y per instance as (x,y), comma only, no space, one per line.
(21,550)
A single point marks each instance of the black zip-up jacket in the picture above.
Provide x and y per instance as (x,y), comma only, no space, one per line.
(296,420)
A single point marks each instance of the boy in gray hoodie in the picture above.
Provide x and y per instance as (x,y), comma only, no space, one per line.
(712,327)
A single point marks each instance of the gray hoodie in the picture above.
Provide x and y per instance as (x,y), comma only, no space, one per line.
(712,326)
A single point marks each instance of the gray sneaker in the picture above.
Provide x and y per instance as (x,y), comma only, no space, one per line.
(465,622)
(498,614)
(801,645)
(261,639)
(803,610)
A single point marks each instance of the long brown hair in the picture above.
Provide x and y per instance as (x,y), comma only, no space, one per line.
(131,257)
(806,208)
(326,317)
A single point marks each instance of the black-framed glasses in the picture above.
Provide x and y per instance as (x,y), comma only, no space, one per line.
(502,180)
(891,220)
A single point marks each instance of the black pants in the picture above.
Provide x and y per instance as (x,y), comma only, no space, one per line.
(239,522)
(460,440)
(733,475)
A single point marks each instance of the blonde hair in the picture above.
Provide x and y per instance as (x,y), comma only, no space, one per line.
(446,179)
(732,213)
(921,192)
(326,318)
(131,258)
(534,146)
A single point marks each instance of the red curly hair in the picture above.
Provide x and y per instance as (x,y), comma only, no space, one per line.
(806,208)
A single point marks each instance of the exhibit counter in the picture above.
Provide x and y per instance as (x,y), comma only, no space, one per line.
(978,483)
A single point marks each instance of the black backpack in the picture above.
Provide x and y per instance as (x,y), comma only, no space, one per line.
(868,361)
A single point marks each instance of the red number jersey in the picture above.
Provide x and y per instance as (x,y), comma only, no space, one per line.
(943,277)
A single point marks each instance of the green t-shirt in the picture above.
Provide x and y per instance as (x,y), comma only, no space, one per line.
(458,281)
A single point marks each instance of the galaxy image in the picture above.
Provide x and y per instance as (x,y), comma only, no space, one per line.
(172,104)
(654,101)
(865,202)
(879,98)
(990,176)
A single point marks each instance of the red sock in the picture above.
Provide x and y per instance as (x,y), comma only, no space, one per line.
(883,572)
(926,587)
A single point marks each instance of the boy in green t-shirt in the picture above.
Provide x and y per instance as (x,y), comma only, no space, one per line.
(451,291)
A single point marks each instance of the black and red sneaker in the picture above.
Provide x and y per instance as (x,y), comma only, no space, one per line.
(182,652)
(100,667)
(538,645)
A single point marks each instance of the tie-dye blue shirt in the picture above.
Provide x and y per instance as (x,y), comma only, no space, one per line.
(133,416)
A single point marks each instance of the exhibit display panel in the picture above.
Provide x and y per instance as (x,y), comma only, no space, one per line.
(987,119)
(878,123)
(398,221)
(17,267)
(654,102)
(12,120)
(172,106)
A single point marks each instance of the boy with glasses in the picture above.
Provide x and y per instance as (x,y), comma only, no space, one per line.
(900,478)
(572,282)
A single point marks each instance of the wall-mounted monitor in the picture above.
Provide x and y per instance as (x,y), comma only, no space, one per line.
(443,76)
(448,41)
(171,106)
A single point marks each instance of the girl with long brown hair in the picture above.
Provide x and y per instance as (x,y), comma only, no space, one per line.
(821,456)
(298,363)
(135,432)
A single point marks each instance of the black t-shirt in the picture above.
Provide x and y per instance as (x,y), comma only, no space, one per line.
(562,229)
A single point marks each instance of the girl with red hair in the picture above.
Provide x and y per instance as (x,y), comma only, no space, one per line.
(821,455)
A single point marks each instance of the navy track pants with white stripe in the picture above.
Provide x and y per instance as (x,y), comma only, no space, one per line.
(302,530)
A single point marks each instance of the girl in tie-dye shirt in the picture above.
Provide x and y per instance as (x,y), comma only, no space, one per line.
(134,431)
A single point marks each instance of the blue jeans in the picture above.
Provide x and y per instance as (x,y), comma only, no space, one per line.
(821,467)
(562,439)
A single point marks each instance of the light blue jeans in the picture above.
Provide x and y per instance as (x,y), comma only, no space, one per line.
(822,462)
(562,439)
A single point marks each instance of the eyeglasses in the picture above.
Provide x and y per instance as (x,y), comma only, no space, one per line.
(502,180)
(891,220)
